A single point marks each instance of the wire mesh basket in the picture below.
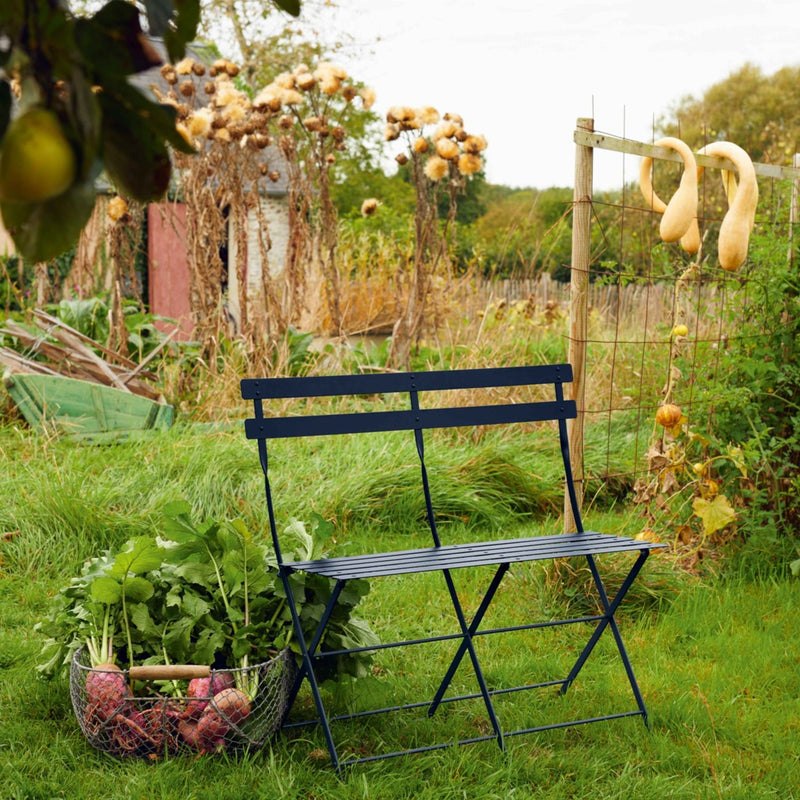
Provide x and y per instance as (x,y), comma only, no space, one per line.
(157,711)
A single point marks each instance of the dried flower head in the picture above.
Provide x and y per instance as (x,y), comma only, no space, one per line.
(199,69)
(455,118)
(210,87)
(222,135)
(338,133)
(429,115)
(274,176)
(401,159)
(367,97)
(285,121)
(235,111)
(285,80)
(435,168)
(186,88)
(232,69)
(169,74)
(330,158)
(305,81)
(117,209)
(447,148)
(421,145)
(329,85)
(268,99)
(474,144)
(291,97)
(185,66)
(469,163)
(391,132)
(349,93)
(369,206)
(445,130)
(184,132)
(199,123)
(400,114)
(313,124)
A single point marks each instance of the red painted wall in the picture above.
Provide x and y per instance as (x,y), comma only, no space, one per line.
(168,270)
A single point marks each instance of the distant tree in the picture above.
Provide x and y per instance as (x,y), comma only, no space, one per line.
(760,113)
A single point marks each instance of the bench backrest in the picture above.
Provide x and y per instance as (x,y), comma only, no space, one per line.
(415,418)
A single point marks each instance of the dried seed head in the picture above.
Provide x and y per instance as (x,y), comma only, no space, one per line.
(213,71)
(218,122)
(330,158)
(263,169)
(262,140)
(232,69)
(267,99)
(401,159)
(338,133)
(421,145)
(285,122)
(369,206)
(447,148)
(117,209)
(329,85)
(474,144)
(285,80)
(435,168)
(469,163)
(222,135)
(461,135)
(455,118)
(445,130)
(186,88)
(274,176)
(367,97)
(349,93)
(185,66)
(199,123)
(305,81)
(312,124)
(199,69)
(210,87)
(184,132)
(429,115)
(291,97)
(169,74)
(391,132)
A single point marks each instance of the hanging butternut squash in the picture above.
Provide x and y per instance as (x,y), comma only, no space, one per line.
(679,220)
(734,233)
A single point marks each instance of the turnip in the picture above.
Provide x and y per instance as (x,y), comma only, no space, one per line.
(227,709)
(201,690)
(107,692)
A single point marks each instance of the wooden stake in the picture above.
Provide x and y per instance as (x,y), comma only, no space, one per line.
(579,308)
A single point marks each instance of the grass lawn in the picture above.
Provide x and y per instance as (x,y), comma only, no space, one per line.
(718,662)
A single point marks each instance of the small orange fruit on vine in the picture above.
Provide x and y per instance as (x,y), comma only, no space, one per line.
(36,160)
(668,415)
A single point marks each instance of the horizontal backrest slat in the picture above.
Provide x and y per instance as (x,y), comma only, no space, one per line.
(323,424)
(380,383)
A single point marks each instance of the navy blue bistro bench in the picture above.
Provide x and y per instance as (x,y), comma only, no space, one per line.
(445,558)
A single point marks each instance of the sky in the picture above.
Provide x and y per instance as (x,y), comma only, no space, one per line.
(521,72)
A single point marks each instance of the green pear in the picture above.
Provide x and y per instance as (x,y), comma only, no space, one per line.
(36,160)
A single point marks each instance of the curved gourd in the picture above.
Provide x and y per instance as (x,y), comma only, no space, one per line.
(679,221)
(734,233)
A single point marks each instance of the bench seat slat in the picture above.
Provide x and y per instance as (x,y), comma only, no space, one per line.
(504,551)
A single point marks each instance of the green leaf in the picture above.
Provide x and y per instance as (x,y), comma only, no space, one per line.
(138,589)
(794,566)
(142,555)
(42,231)
(106,590)
(715,514)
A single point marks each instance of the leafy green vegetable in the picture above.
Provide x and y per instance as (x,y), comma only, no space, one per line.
(205,593)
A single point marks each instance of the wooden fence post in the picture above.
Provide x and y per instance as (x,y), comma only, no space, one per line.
(578,307)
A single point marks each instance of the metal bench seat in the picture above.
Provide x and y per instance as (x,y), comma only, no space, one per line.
(455,556)
(379,393)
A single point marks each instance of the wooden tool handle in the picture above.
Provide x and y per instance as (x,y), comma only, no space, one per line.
(167,672)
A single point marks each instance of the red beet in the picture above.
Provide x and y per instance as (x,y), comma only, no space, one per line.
(107,691)
(227,708)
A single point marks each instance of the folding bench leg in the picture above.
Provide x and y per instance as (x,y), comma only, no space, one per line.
(307,669)
(468,646)
(462,648)
(608,620)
